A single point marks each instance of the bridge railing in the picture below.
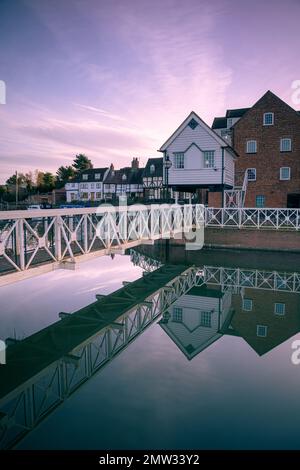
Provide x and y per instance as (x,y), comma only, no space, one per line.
(33,237)
(259,218)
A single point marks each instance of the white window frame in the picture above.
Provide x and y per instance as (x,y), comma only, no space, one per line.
(268,123)
(209,156)
(284,140)
(260,195)
(249,143)
(265,329)
(279,312)
(254,171)
(152,169)
(179,160)
(85,177)
(97,176)
(281,173)
(177,314)
(205,319)
(250,308)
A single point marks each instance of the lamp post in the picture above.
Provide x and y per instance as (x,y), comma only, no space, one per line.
(167,165)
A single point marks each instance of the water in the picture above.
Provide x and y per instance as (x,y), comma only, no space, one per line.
(214,372)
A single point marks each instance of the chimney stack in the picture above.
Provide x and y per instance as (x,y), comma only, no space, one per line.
(135,163)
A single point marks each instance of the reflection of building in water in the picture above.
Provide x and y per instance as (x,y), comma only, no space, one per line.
(197,319)
(264,318)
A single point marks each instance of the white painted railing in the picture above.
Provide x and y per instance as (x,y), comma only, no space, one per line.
(34,237)
(252,278)
(259,218)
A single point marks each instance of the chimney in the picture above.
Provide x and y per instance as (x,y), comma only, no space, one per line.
(135,163)
(111,167)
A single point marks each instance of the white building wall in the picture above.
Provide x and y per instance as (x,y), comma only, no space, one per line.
(194,171)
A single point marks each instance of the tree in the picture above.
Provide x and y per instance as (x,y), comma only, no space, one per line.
(82,162)
(63,175)
(48,181)
(12,180)
(45,181)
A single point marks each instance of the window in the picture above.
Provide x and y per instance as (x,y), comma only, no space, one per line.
(251,146)
(177,315)
(179,160)
(92,185)
(73,185)
(124,177)
(209,158)
(152,169)
(260,200)
(205,319)
(84,195)
(193,124)
(251,173)
(261,330)
(98,195)
(229,122)
(84,185)
(97,176)
(85,177)
(285,145)
(268,119)
(285,173)
(98,185)
(247,305)
(279,308)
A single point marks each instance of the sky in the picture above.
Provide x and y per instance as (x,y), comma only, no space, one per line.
(114,78)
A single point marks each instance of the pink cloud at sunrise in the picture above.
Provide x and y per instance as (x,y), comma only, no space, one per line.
(113,79)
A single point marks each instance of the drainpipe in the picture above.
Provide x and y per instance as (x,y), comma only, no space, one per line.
(222,176)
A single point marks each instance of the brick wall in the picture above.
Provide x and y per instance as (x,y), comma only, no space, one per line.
(215,199)
(252,239)
(268,158)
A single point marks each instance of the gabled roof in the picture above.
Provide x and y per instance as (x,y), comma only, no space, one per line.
(183,125)
(268,93)
(219,123)
(158,166)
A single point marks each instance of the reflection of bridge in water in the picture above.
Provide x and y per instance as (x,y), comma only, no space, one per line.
(195,306)
(47,367)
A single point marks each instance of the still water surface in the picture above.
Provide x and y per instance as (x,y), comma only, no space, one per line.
(215,372)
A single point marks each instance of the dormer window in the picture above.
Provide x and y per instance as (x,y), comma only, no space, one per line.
(152,169)
(124,177)
(97,176)
(268,119)
(85,177)
(229,122)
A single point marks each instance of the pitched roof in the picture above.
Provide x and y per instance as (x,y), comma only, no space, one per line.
(234,113)
(133,176)
(269,93)
(197,118)
(219,123)
(158,167)
(91,172)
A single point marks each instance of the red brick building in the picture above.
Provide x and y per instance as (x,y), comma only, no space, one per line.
(267,140)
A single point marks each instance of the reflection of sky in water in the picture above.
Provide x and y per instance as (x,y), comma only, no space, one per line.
(32,304)
(150,395)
